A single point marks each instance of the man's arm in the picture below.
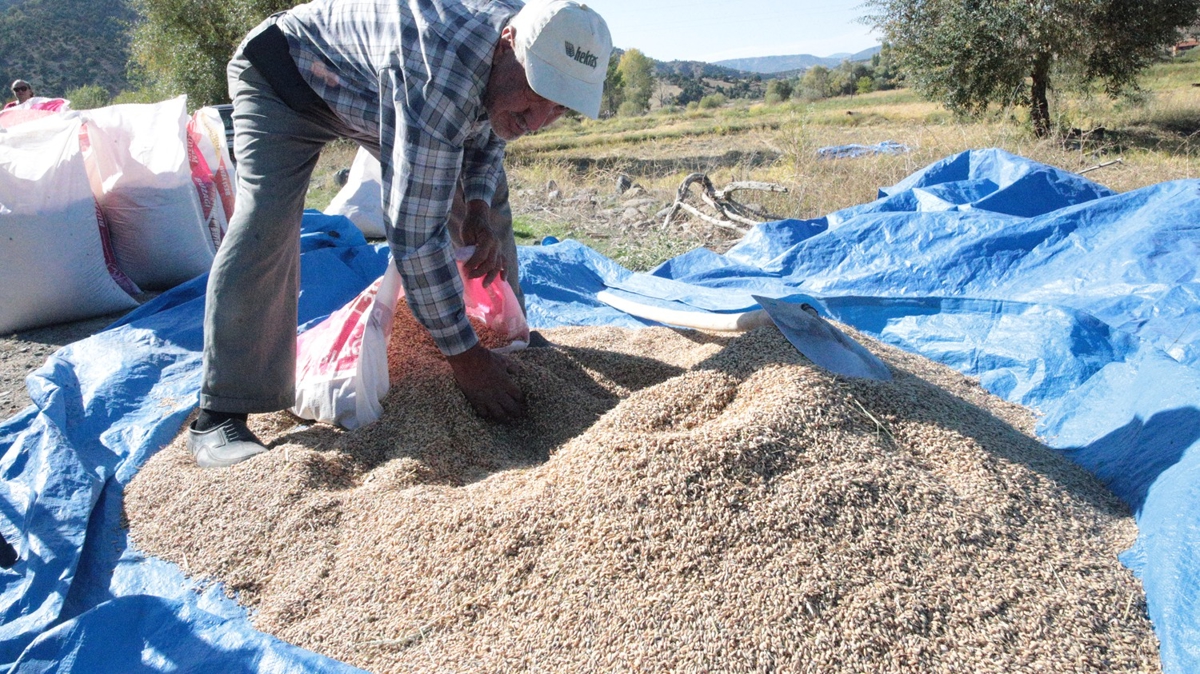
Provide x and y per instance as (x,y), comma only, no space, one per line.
(483,166)
(418,189)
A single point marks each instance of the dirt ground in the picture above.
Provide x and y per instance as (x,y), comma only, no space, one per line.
(23,352)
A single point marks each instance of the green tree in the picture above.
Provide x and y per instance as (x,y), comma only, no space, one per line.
(970,53)
(637,72)
(779,90)
(815,84)
(842,80)
(614,88)
(884,69)
(184,45)
(691,92)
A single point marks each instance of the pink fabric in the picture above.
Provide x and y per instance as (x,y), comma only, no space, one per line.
(43,103)
(10,117)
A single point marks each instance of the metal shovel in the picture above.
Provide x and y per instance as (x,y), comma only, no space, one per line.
(821,342)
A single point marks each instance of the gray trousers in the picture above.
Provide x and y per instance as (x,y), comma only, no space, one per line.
(250,313)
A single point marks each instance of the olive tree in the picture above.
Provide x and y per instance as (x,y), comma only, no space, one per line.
(815,84)
(779,90)
(970,53)
(183,46)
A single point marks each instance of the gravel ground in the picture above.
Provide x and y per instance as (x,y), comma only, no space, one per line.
(23,352)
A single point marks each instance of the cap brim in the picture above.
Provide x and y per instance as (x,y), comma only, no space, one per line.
(549,83)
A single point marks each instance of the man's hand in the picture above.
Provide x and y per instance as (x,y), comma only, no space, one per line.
(486,379)
(488,259)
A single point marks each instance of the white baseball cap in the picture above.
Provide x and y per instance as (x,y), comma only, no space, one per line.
(564,46)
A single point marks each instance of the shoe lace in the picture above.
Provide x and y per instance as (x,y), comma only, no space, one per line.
(236,432)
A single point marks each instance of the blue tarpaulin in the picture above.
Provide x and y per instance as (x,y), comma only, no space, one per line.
(1054,291)
(856,150)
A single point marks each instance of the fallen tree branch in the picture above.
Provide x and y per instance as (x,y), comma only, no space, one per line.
(750,185)
(1100,166)
(732,212)
(724,224)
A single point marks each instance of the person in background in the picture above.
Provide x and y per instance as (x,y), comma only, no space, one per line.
(22,90)
(433,89)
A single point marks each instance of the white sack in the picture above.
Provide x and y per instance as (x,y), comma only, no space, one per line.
(146,191)
(361,198)
(212,172)
(52,249)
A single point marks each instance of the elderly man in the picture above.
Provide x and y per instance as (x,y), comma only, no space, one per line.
(22,90)
(433,88)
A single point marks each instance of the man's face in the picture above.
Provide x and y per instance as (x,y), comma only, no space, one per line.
(22,92)
(513,107)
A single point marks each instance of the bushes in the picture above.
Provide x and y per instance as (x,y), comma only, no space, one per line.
(630,109)
(87,97)
(713,101)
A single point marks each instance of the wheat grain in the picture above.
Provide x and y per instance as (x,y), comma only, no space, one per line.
(675,501)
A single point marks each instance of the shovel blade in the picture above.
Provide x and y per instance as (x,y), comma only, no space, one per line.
(821,342)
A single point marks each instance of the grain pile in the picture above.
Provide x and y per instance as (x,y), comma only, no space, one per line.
(674,502)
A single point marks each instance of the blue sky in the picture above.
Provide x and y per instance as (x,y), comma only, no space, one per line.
(709,30)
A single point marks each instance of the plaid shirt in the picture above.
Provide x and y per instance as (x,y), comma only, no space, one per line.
(412,73)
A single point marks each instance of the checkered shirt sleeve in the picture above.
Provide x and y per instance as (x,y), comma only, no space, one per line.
(414,72)
(483,165)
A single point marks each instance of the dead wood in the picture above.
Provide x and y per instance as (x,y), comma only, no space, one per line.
(731,214)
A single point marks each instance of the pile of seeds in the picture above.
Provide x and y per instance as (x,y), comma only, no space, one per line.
(675,501)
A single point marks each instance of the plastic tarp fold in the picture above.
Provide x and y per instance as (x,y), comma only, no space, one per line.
(1054,291)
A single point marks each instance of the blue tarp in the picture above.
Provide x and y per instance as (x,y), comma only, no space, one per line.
(856,150)
(1054,291)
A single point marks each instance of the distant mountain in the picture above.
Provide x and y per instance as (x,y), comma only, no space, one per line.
(767,65)
(696,69)
(59,45)
(866,54)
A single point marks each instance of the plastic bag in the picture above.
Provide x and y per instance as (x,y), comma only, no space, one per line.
(341,363)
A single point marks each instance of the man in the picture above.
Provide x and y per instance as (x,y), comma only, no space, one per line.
(433,88)
(22,90)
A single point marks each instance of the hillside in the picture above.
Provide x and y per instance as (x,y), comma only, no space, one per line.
(59,45)
(767,65)
(696,69)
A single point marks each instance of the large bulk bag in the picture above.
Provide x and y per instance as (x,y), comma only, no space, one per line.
(361,198)
(140,155)
(212,171)
(53,265)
